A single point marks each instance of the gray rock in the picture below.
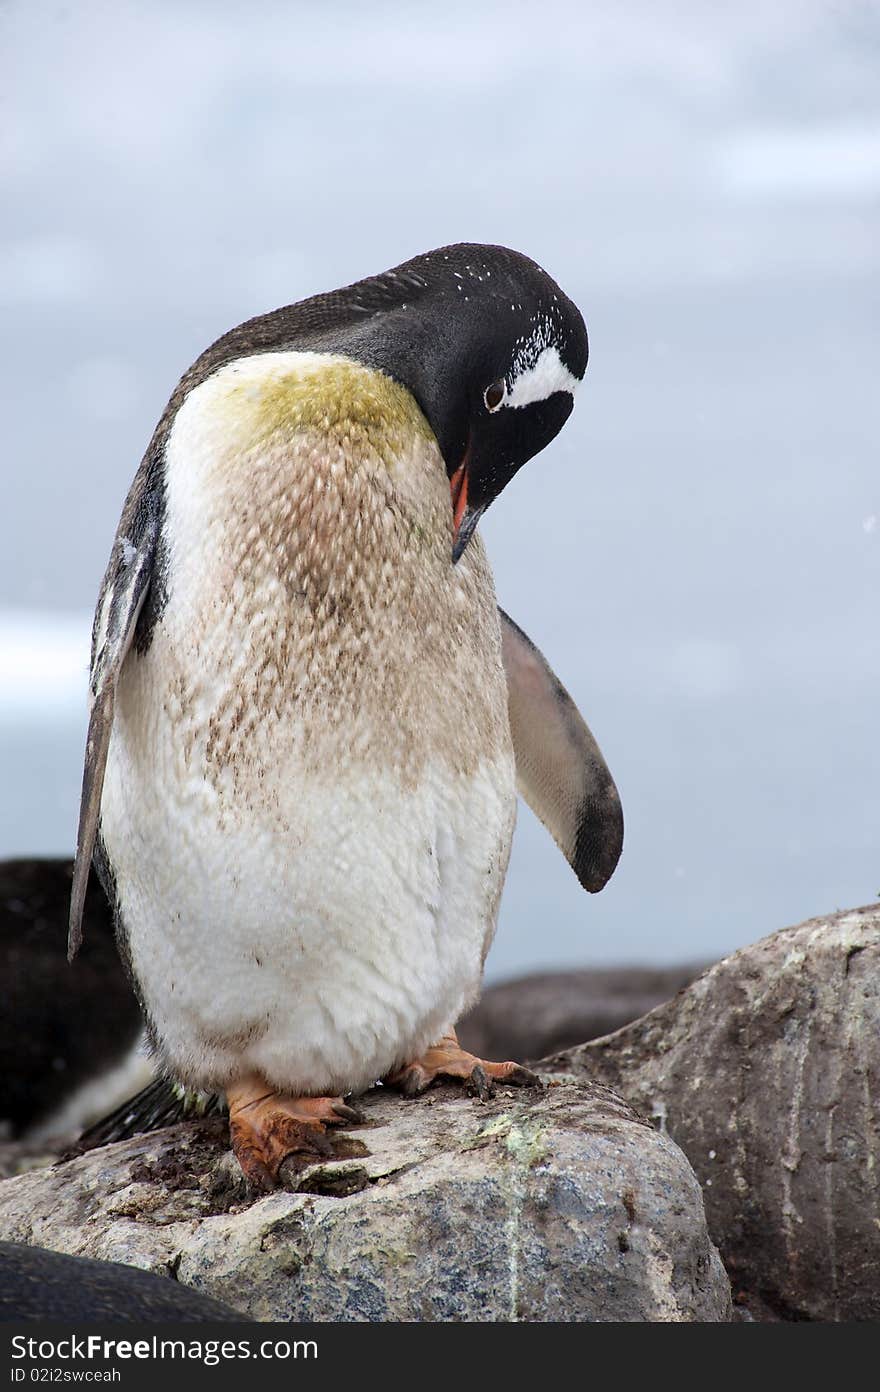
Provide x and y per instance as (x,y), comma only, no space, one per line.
(531,1016)
(766,1071)
(555,1206)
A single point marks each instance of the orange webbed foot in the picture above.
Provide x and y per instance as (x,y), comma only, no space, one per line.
(447,1059)
(266,1127)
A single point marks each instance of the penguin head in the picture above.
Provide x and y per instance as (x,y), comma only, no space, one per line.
(482,337)
(491,349)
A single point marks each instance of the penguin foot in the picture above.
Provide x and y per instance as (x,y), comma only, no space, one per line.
(266,1127)
(447,1059)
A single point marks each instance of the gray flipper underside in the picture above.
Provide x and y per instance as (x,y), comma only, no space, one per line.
(122,596)
(560,771)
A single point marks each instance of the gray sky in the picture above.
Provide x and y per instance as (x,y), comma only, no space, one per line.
(703,180)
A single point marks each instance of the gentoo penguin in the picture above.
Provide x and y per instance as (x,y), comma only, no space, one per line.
(308,717)
(36,1284)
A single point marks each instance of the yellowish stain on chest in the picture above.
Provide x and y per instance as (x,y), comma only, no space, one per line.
(360,408)
(315,611)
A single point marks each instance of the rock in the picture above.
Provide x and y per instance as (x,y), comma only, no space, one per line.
(61,1026)
(535,1015)
(766,1071)
(555,1206)
(40,1285)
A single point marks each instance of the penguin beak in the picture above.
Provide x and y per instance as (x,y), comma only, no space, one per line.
(464,517)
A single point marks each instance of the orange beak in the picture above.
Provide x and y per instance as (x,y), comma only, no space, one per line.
(459,487)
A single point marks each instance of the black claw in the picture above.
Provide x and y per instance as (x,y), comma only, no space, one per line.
(412,1083)
(313,1145)
(523,1077)
(347,1113)
(260,1179)
(479,1084)
(292,1165)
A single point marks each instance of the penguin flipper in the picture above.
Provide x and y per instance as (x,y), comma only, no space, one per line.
(560,771)
(122,596)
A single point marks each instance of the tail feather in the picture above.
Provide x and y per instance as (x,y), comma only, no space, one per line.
(160,1103)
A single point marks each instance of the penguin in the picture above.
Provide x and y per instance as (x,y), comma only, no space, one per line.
(308,715)
(38,1285)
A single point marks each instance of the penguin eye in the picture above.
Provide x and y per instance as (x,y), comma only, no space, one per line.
(494,395)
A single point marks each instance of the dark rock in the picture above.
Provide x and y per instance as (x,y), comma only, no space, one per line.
(766,1071)
(60,1024)
(532,1016)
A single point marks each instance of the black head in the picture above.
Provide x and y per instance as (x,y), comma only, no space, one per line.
(484,339)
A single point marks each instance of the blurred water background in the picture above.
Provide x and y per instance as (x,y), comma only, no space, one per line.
(698,554)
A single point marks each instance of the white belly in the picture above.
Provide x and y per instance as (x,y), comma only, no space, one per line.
(320,955)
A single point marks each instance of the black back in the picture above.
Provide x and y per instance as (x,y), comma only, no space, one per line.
(39,1285)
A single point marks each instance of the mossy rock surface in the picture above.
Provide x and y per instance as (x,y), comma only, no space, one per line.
(560,1205)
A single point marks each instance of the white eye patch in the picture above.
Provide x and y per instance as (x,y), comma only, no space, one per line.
(548,374)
